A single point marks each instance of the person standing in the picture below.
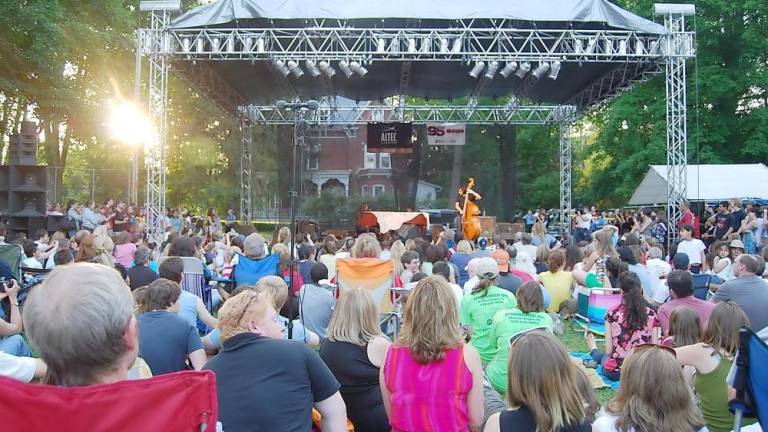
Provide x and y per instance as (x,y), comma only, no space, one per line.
(723,222)
(694,248)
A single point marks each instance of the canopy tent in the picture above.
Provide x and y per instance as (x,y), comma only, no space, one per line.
(491,28)
(705,183)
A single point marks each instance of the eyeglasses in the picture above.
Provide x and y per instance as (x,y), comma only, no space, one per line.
(247,305)
(648,346)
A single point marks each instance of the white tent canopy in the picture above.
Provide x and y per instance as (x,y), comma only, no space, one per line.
(705,183)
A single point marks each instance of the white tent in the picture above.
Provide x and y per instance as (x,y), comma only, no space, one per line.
(705,183)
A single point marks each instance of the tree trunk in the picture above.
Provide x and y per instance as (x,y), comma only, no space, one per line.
(458,160)
(507,139)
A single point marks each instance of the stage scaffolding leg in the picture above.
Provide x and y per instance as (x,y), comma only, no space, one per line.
(566,157)
(677,47)
(246,205)
(156,42)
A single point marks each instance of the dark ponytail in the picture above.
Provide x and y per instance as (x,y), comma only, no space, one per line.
(633,300)
(482,286)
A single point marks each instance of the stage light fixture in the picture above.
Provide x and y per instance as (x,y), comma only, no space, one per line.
(186,45)
(344,66)
(554,69)
(579,46)
(444,48)
(591,45)
(231,44)
(215,44)
(248,44)
(540,70)
(295,69)
(623,47)
(312,68)
(358,68)
(477,69)
(260,45)
(639,47)
(381,46)
(457,45)
(608,46)
(492,68)
(523,69)
(654,48)
(426,45)
(412,45)
(327,69)
(200,45)
(280,66)
(508,69)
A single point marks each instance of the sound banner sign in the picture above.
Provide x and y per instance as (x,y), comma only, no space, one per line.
(446,134)
(390,137)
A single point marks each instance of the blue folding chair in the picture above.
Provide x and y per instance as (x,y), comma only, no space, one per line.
(248,271)
(751,381)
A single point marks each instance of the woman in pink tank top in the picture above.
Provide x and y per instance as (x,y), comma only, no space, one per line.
(431,380)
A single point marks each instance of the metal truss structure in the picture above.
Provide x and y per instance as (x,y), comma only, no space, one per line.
(639,56)
(246,167)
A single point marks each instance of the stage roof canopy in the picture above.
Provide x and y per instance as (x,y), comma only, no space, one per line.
(506,28)
(705,183)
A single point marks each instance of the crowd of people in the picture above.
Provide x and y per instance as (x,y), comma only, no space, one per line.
(476,348)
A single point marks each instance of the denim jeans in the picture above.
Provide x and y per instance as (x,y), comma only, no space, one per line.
(15,345)
(600,358)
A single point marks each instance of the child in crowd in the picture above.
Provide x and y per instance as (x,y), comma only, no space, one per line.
(684,328)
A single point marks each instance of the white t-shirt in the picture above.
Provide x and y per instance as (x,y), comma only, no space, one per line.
(693,248)
(607,423)
(661,292)
(470,285)
(458,293)
(659,267)
(19,368)
(584,221)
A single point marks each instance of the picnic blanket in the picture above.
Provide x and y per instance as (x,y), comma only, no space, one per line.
(580,356)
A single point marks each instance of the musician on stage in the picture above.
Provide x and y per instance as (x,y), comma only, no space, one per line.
(465,193)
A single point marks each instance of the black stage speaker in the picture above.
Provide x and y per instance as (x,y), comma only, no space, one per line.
(23,147)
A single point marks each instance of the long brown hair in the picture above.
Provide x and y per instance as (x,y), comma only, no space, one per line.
(542,378)
(685,326)
(633,301)
(430,321)
(654,395)
(722,332)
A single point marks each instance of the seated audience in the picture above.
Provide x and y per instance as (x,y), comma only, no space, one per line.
(140,274)
(63,257)
(653,396)
(93,339)
(556,281)
(125,249)
(542,390)
(354,352)
(627,325)
(410,260)
(684,328)
(264,382)
(507,280)
(166,340)
(190,306)
(479,307)
(529,314)
(24,369)
(442,268)
(316,301)
(430,350)
(461,258)
(712,358)
(748,290)
(680,284)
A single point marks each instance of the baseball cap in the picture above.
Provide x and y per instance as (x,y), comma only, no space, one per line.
(487,268)
(681,261)
(482,242)
(502,259)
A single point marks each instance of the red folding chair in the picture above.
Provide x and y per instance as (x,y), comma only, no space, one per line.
(182,401)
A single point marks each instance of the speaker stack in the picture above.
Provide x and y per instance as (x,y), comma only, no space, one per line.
(23,185)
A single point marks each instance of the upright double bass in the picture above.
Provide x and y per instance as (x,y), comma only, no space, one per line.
(470,224)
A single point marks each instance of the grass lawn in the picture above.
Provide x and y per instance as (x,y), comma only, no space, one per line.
(574,341)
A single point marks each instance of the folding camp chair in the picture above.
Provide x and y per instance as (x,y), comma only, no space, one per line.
(12,254)
(592,305)
(374,275)
(248,271)
(751,381)
(182,401)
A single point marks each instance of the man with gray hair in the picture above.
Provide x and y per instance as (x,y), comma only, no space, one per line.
(81,321)
(748,290)
(253,246)
(255,264)
(140,274)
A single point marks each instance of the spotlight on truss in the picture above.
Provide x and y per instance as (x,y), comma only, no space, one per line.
(326,68)
(358,68)
(411,45)
(508,69)
(344,66)
(295,69)
(492,68)
(554,69)
(523,70)
(477,69)
(591,45)
(381,46)
(444,46)
(312,68)
(540,70)
(456,45)
(280,66)
(639,47)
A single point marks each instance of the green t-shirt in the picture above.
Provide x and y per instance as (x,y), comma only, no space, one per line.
(477,311)
(507,323)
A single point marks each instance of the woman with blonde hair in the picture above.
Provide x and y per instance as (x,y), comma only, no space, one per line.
(366,246)
(712,359)
(354,352)
(653,396)
(460,259)
(542,388)
(540,236)
(396,252)
(430,351)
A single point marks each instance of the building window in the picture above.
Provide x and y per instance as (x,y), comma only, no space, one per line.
(370,160)
(378,189)
(313,158)
(384,161)
(364,191)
